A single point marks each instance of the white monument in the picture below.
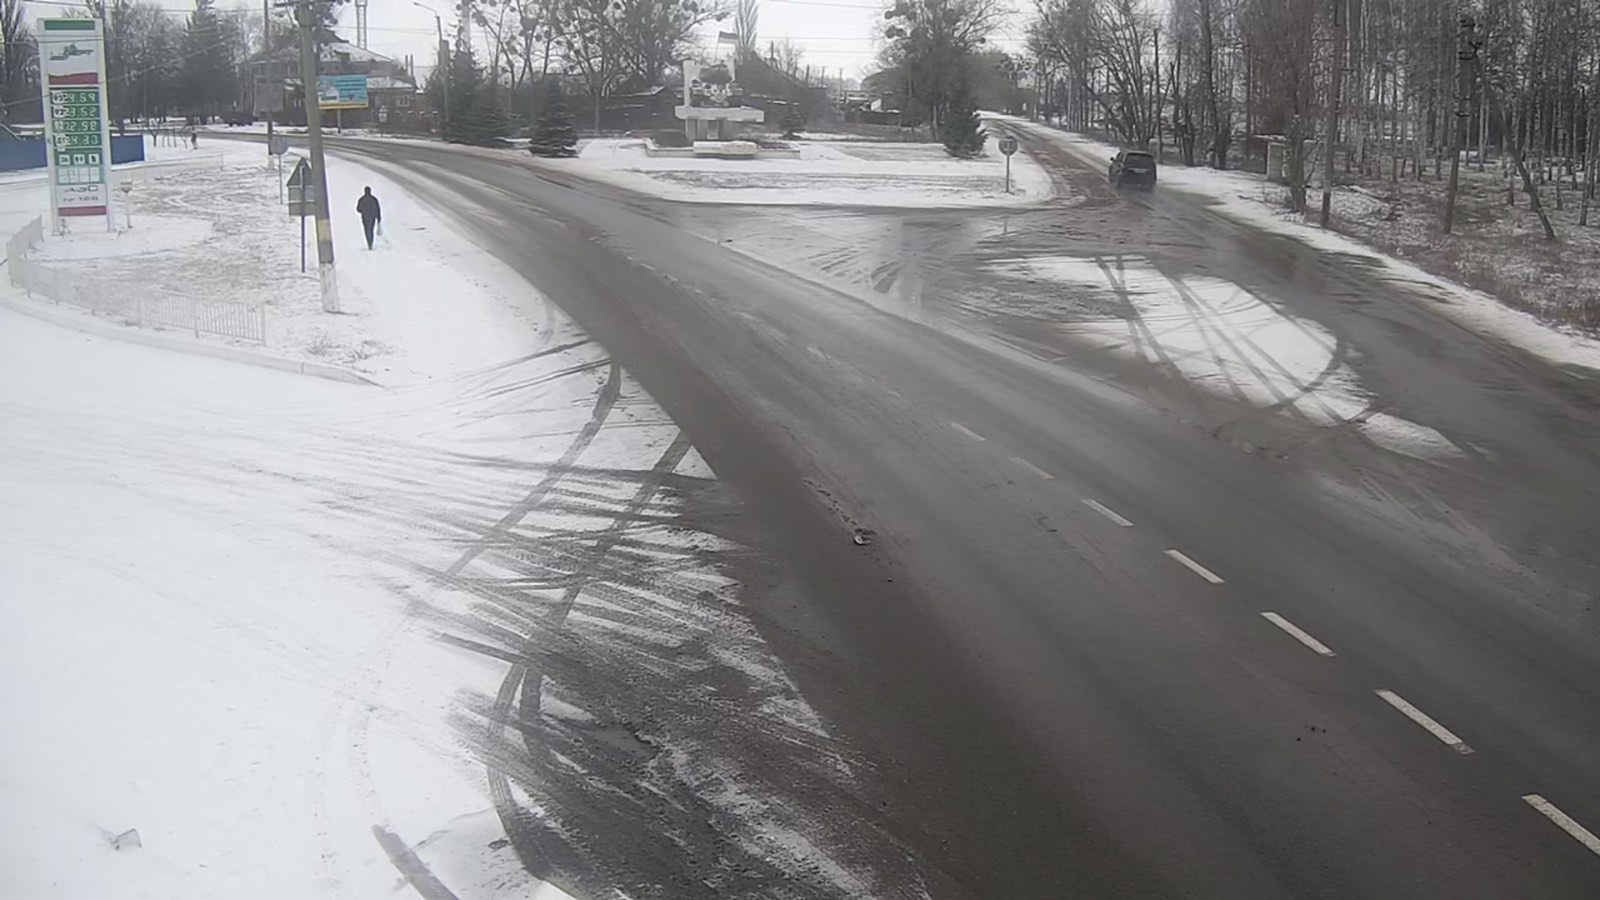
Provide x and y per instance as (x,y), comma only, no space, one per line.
(710,123)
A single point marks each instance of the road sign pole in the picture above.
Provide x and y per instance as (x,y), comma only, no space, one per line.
(302,245)
(1008,146)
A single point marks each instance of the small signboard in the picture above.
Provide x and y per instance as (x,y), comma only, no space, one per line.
(342,91)
(277,145)
(1008,145)
(77,127)
(302,191)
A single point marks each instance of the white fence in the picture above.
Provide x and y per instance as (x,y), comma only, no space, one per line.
(150,307)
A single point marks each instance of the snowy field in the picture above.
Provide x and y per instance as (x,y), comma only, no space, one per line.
(319,640)
(1244,196)
(828,173)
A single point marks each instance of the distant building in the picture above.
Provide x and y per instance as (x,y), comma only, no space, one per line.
(273,86)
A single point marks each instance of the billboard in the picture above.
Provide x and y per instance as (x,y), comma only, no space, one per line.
(77,127)
(342,91)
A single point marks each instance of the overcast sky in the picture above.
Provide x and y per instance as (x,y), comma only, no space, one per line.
(835,33)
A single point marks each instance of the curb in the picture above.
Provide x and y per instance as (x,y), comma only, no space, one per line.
(89,324)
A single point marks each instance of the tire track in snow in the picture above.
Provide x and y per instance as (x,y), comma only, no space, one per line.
(518,823)
(602,408)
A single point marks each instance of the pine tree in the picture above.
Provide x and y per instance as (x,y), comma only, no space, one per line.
(963,133)
(485,123)
(553,134)
(792,122)
(209,77)
(476,116)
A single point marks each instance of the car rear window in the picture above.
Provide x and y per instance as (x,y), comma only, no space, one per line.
(1141,158)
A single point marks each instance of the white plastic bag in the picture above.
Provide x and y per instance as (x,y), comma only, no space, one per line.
(379,229)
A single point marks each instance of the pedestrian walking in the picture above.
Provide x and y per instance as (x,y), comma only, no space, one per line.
(371,214)
(194,139)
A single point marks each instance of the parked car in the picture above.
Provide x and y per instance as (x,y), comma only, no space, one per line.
(1133,167)
(237,117)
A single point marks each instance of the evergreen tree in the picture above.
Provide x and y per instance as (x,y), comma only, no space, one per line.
(553,134)
(476,116)
(963,133)
(792,122)
(209,77)
(485,123)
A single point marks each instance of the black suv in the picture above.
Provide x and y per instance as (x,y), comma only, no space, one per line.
(1135,167)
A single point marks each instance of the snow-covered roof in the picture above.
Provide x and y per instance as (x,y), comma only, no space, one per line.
(353,53)
(388,83)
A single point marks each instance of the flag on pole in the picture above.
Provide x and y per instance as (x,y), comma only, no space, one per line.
(727,37)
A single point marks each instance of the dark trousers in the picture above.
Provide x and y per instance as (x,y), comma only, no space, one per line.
(368,225)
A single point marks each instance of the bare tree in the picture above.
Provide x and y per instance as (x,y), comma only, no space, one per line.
(746,20)
(931,43)
(1331,101)
(1279,37)
(785,55)
(591,43)
(19,67)
(1109,49)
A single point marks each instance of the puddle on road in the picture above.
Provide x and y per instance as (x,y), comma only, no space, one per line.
(1229,341)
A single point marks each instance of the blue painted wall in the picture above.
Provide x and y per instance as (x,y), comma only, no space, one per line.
(28,153)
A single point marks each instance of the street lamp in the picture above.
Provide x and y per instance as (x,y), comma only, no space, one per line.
(444,61)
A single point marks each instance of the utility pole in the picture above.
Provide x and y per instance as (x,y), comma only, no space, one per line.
(308,83)
(1466,57)
(266,66)
(1335,93)
(444,64)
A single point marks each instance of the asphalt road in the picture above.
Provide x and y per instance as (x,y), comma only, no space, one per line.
(1053,654)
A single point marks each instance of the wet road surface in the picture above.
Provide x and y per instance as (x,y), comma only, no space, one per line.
(1140,608)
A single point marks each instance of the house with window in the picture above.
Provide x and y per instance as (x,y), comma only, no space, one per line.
(274,87)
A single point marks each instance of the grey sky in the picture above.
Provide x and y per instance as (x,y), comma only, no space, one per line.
(835,33)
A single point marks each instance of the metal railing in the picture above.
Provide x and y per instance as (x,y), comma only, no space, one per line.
(147,307)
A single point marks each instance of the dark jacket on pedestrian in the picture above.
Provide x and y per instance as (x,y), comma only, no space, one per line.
(369,209)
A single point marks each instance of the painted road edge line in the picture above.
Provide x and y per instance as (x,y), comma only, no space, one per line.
(1444,734)
(1568,824)
(1108,512)
(967,431)
(1297,633)
(1195,567)
(1033,468)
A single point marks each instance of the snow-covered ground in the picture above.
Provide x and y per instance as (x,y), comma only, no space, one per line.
(209,223)
(1246,197)
(264,619)
(831,173)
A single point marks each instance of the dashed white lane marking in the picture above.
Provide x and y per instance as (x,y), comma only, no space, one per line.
(967,431)
(1295,632)
(1195,567)
(1568,824)
(1421,718)
(1033,468)
(1108,512)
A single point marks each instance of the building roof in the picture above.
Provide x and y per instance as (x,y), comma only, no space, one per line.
(335,50)
(388,83)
